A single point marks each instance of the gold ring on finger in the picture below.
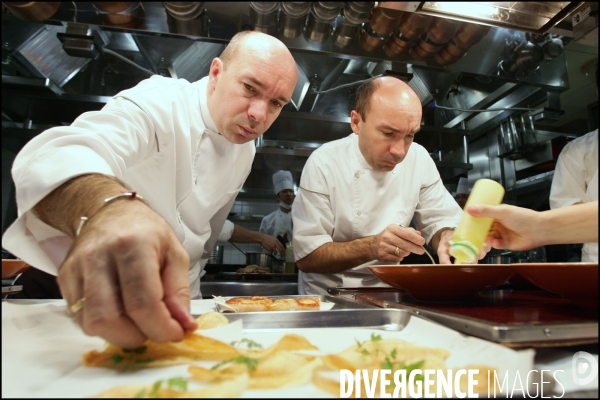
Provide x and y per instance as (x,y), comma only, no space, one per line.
(78,305)
(397,252)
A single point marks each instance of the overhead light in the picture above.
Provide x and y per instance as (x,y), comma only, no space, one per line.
(535,17)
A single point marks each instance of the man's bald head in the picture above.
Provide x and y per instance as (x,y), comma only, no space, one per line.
(387,84)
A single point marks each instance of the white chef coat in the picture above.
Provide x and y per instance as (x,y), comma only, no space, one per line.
(277,223)
(226,231)
(158,138)
(576,180)
(341,198)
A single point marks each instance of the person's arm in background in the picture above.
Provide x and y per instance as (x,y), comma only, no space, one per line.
(517,228)
(243,235)
(123,246)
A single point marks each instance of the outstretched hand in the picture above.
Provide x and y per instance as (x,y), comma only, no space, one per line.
(132,271)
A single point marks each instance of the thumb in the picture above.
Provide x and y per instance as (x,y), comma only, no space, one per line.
(176,288)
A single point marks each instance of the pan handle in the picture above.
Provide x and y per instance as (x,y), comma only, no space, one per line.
(244,253)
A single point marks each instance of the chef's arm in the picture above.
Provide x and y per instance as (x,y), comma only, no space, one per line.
(335,257)
(80,196)
(243,235)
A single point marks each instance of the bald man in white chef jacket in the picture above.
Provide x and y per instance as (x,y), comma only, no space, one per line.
(279,223)
(127,203)
(358,195)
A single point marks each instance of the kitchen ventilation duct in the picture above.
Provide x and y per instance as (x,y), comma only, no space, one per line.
(194,63)
(530,16)
(43,56)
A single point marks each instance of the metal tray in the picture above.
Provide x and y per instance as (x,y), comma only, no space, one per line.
(580,330)
(344,314)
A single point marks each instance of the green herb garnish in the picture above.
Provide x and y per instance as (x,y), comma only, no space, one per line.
(248,342)
(177,384)
(116,358)
(250,362)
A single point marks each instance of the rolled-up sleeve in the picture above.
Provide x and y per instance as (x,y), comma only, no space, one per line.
(312,214)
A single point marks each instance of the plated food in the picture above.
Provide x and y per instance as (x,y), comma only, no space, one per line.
(263,303)
(249,366)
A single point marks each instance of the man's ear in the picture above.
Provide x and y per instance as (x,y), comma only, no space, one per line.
(216,69)
(355,121)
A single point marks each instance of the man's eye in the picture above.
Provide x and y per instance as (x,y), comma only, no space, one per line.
(250,88)
(276,104)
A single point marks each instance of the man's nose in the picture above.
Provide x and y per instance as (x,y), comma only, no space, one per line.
(398,149)
(258,110)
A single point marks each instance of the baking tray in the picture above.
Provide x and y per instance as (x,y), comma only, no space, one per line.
(514,318)
(344,314)
(322,298)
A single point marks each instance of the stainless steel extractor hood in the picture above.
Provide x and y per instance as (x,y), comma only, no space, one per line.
(469,70)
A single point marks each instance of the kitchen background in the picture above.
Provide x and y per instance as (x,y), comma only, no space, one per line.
(63,58)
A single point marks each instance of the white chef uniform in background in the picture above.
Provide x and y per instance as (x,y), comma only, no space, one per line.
(337,178)
(279,222)
(226,231)
(576,180)
(146,143)
(462,192)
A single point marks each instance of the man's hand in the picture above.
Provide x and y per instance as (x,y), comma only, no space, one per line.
(126,263)
(272,244)
(132,272)
(396,242)
(443,250)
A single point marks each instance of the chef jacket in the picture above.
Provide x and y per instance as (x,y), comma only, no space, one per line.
(226,231)
(576,180)
(158,138)
(277,223)
(341,198)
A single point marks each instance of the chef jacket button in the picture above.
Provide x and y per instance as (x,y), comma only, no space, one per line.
(358,213)
(394,171)
(356,174)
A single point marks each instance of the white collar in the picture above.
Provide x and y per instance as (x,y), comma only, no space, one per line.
(205,112)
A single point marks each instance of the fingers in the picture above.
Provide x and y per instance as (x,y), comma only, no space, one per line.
(279,247)
(135,284)
(83,276)
(177,287)
(485,248)
(143,292)
(396,242)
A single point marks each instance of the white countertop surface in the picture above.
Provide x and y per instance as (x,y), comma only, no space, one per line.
(42,349)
